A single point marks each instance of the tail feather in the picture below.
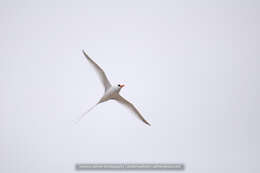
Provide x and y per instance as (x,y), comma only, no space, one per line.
(87,111)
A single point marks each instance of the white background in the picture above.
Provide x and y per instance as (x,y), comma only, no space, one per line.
(190,67)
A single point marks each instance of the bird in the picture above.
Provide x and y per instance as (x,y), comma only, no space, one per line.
(111,92)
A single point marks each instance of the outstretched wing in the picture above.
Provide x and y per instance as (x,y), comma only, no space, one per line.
(99,71)
(130,106)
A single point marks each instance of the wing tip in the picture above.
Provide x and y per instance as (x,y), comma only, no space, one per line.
(85,54)
(83,51)
(147,123)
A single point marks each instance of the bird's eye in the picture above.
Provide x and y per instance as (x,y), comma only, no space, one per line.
(118,85)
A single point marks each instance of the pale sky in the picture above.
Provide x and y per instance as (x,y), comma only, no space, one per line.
(190,67)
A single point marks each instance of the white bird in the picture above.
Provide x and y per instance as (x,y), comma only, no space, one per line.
(111,92)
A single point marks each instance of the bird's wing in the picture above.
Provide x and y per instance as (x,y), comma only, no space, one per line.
(130,106)
(99,71)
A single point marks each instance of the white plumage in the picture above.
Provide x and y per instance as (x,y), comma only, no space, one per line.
(111,92)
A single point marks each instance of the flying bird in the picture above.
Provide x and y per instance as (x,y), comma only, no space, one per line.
(111,92)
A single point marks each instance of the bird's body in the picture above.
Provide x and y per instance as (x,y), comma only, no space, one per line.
(111,92)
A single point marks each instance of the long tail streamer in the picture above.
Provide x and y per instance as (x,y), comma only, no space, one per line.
(87,111)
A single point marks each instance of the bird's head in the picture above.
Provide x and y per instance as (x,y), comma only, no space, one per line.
(120,86)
